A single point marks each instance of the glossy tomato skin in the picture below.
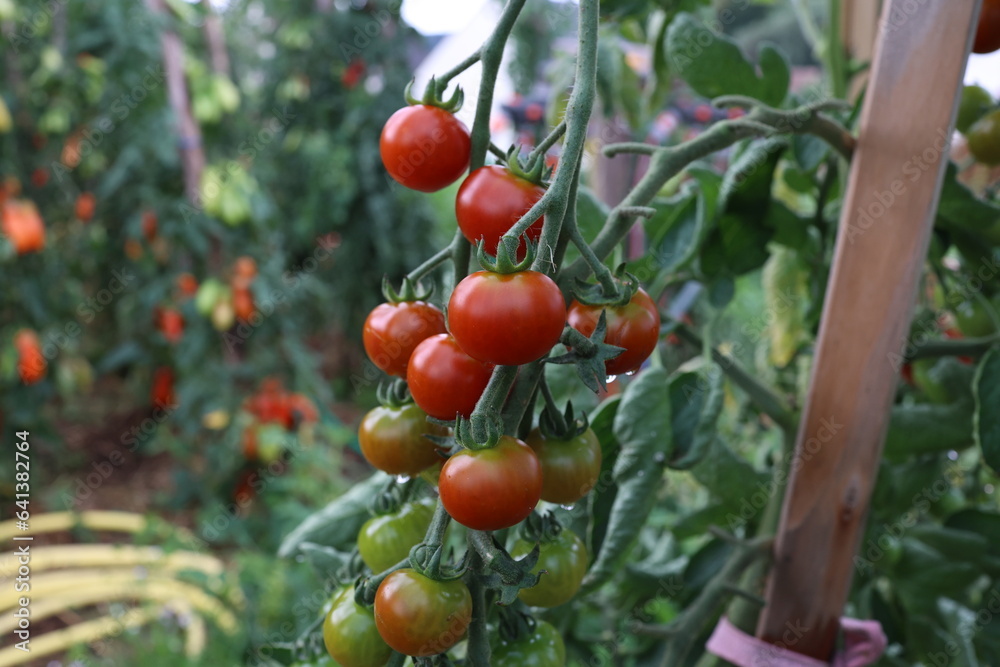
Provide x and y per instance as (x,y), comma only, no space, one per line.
(22,224)
(984,139)
(634,326)
(393,330)
(387,539)
(543,648)
(506,319)
(419,616)
(392,439)
(988,30)
(425,147)
(490,201)
(350,635)
(491,489)
(570,468)
(444,380)
(31,364)
(565,561)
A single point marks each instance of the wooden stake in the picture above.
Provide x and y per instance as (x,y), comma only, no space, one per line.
(905,131)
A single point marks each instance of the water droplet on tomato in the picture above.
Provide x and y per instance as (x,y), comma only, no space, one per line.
(630,373)
(568,508)
(402,479)
(610,379)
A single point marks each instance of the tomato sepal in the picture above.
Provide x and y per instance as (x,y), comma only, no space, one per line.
(409,291)
(533,171)
(501,572)
(589,354)
(505,261)
(596,295)
(432,96)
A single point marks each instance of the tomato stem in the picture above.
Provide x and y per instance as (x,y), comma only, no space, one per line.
(479,640)
(548,142)
(444,79)
(480,435)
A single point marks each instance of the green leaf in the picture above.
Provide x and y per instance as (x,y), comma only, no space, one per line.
(680,228)
(642,428)
(790,230)
(729,477)
(695,405)
(986,524)
(337,524)
(786,297)
(987,415)
(602,498)
(713,65)
(697,523)
(326,561)
(959,620)
(591,212)
(960,208)
(927,428)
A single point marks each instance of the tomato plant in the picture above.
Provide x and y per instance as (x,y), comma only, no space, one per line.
(490,489)
(393,439)
(425,147)
(564,560)
(350,633)
(506,318)
(634,326)
(419,616)
(386,539)
(490,201)
(443,379)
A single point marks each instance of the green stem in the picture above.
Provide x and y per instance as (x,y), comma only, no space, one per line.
(834,52)
(601,272)
(435,260)
(397,660)
(439,524)
(479,639)
(548,142)
(552,407)
(460,251)
(491,55)
(442,81)
(963,347)
(766,400)
(492,400)
(635,147)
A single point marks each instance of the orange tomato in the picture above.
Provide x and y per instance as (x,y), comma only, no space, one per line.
(245,267)
(171,324)
(22,224)
(187,285)
(243,305)
(162,394)
(85,205)
(149,224)
(71,150)
(133,249)
(301,404)
(31,365)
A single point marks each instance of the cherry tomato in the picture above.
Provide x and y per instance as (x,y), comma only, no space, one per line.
(350,634)
(444,380)
(490,489)
(387,539)
(393,330)
(302,408)
(22,224)
(973,319)
(419,616)
(85,205)
(171,324)
(565,561)
(988,31)
(570,468)
(974,103)
(490,201)
(392,439)
(984,139)
(245,267)
(243,305)
(425,147)
(187,285)
(270,403)
(149,224)
(39,177)
(634,326)
(162,394)
(31,364)
(506,319)
(543,648)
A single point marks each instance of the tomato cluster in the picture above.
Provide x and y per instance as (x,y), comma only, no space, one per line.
(274,411)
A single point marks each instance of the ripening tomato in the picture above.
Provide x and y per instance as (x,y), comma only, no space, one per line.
(243,306)
(23,225)
(570,468)
(350,634)
(162,394)
(187,285)
(149,224)
(353,74)
(392,439)
(85,205)
(444,380)
(387,539)
(419,616)
(171,324)
(39,177)
(425,147)
(251,448)
(31,364)
(564,560)
(542,648)
(973,319)
(270,403)
(984,139)
(490,489)
(490,201)
(506,319)
(634,326)
(393,330)
(301,408)
(988,30)
(245,267)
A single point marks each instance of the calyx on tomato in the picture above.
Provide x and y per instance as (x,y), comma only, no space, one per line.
(408,291)
(562,426)
(506,261)
(432,96)
(597,295)
(533,171)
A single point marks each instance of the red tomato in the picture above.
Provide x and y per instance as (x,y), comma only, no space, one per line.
(491,489)
(392,439)
(444,380)
(634,326)
(187,285)
(988,31)
(243,306)
(39,177)
(149,224)
(23,225)
(171,324)
(85,205)
(570,468)
(31,364)
(490,201)
(251,448)
(353,74)
(507,319)
(162,394)
(393,330)
(270,403)
(419,616)
(301,405)
(425,147)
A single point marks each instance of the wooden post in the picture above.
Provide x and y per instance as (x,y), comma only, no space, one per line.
(905,130)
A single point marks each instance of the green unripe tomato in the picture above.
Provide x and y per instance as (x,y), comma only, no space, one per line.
(350,634)
(974,104)
(387,539)
(543,648)
(974,319)
(984,139)
(564,560)
(209,292)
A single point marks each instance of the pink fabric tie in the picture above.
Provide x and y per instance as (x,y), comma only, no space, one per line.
(864,642)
